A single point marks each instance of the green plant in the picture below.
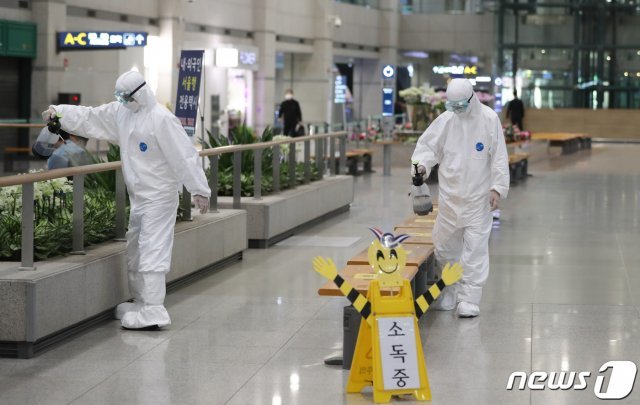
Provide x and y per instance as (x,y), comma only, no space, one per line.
(242,136)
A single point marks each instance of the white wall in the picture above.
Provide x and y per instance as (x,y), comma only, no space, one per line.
(450,33)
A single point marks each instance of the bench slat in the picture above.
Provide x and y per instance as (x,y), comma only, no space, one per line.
(350,272)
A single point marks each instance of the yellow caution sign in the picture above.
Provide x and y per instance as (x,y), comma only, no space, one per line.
(388,352)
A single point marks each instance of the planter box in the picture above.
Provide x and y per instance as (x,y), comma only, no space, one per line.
(278,216)
(68,294)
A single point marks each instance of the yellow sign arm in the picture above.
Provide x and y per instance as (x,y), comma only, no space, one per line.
(327,269)
(450,275)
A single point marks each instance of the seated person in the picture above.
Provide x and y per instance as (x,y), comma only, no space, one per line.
(61,150)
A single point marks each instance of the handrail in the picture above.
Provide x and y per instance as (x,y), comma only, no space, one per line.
(28,180)
(16,125)
(263,145)
(18,179)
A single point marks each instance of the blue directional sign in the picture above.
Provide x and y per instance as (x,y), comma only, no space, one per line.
(388,72)
(100,39)
(387,101)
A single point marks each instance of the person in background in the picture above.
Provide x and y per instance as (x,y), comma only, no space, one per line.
(515,110)
(468,143)
(290,114)
(61,149)
(157,160)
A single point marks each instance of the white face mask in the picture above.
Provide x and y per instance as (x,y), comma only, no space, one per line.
(132,105)
(288,96)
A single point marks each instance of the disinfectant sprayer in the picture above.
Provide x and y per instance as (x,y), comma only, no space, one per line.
(420,194)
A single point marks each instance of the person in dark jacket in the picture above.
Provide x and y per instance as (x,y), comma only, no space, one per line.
(290,114)
(515,110)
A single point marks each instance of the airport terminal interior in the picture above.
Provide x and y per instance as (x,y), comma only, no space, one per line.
(319,202)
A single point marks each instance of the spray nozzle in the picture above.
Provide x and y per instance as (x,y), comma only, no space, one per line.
(54,125)
(417,177)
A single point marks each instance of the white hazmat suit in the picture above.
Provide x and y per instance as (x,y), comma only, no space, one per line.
(157,160)
(470,148)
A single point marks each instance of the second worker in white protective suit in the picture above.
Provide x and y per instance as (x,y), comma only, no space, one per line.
(468,143)
(157,160)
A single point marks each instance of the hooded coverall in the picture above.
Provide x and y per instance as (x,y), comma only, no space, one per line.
(471,151)
(157,159)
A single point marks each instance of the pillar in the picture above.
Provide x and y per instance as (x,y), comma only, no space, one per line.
(264,81)
(171,23)
(50,17)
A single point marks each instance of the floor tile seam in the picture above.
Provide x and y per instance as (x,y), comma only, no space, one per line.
(128,364)
(531,353)
(626,273)
(276,352)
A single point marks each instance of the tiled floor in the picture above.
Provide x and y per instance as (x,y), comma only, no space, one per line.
(563,295)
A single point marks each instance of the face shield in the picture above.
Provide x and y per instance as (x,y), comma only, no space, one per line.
(45,143)
(459,106)
(124,96)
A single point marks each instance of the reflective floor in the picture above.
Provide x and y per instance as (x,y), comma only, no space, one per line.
(563,294)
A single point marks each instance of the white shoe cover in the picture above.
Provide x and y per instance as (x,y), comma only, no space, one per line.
(125,307)
(467,310)
(446,301)
(145,316)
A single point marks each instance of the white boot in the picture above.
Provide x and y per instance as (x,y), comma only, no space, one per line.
(447,299)
(135,286)
(150,311)
(467,310)
(125,307)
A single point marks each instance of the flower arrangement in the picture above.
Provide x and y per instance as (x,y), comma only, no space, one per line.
(513,134)
(485,98)
(412,95)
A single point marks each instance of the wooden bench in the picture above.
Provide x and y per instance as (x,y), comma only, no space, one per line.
(16,153)
(427,222)
(518,166)
(418,236)
(360,275)
(570,142)
(420,267)
(355,156)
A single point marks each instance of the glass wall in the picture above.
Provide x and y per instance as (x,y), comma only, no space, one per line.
(441,6)
(365,3)
(578,53)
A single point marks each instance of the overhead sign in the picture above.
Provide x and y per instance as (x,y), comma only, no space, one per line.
(388,71)
(340,90)
(242,57)
(456,70)
(100,39)
(387,101)
(191,65)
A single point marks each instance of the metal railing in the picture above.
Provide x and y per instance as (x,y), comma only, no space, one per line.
(27,181)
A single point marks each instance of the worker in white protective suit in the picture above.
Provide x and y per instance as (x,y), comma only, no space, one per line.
(157,160)
(468,144)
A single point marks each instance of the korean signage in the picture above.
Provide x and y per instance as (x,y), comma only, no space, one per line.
(243,57)
(398,351)
(456,70)
(100,39)
(189,89)
(340,90)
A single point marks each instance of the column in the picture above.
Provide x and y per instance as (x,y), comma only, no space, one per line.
(48,68)
(171,22)
(264,81)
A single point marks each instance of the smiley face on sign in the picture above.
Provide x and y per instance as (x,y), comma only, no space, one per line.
(387,257)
